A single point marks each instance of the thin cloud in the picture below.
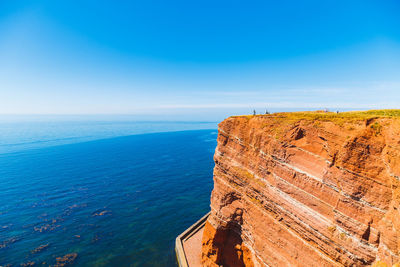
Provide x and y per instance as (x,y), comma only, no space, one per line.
(281,105)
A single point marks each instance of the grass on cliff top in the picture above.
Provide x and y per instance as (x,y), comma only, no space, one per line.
(332,116)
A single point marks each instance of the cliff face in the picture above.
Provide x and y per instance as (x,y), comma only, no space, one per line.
(305,189)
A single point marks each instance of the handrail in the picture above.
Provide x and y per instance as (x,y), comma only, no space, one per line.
(180,252)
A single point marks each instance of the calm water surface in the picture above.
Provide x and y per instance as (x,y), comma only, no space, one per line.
(119,201)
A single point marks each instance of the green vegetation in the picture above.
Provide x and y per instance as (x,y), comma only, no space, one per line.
(333,116)
(343,236)
(332,229)
(377,128)
(255,200)
(243,173)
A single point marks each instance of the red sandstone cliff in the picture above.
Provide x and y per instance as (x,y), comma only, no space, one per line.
(306,189)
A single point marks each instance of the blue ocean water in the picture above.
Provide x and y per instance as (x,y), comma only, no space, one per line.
(119,201)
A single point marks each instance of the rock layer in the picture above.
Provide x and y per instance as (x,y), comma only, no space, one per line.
(305,189)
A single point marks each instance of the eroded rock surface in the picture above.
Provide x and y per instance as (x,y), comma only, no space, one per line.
(305,189)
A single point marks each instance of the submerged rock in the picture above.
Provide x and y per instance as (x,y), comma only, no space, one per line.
(6,243)
(29,263)
(40,248)
(46,227)
(66,260)
(102,213)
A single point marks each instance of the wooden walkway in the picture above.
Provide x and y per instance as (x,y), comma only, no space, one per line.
(188,244)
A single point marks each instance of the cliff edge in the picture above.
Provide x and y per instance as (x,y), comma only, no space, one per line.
(306,189)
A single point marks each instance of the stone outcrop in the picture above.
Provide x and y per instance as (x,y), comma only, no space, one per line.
(306,189)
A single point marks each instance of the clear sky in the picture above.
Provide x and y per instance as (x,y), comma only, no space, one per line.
(197,59)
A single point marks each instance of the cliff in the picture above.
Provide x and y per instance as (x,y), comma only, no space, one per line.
(306,189)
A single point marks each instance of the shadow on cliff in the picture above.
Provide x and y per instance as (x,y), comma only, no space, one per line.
(230,245)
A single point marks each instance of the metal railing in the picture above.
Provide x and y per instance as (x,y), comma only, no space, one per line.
(179,250)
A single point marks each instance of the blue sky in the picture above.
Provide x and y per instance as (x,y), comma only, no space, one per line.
(197,59)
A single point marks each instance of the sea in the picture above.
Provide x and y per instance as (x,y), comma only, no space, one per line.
(109,192)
